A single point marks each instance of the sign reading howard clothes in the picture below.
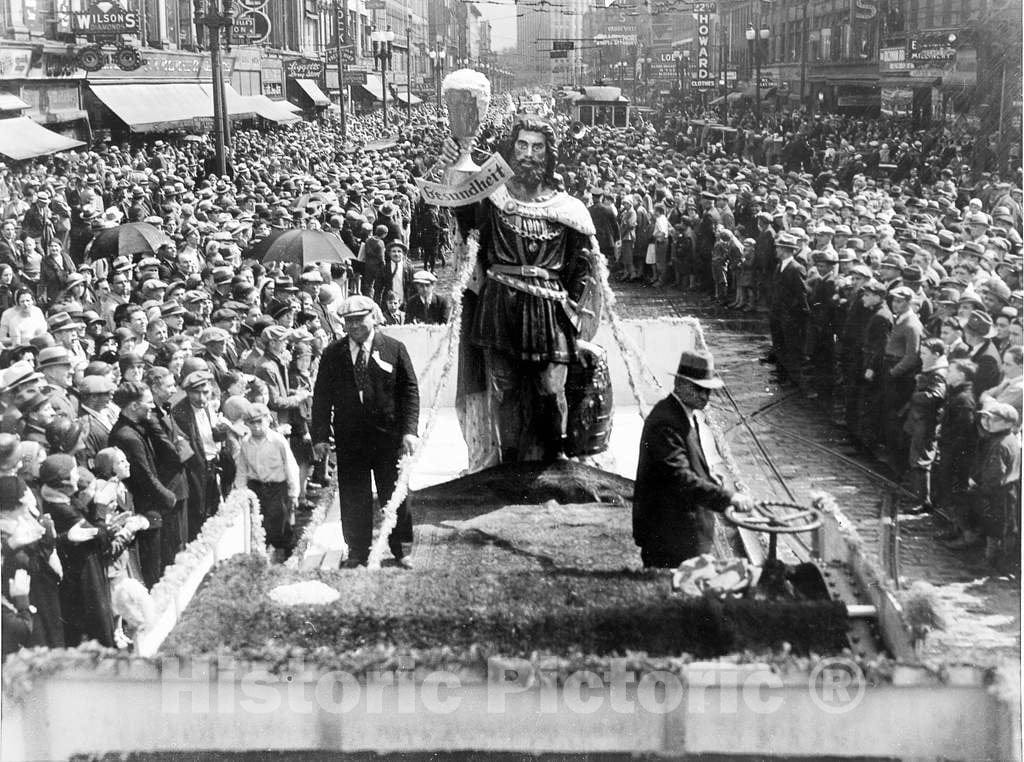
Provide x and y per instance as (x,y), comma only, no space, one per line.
(703,79)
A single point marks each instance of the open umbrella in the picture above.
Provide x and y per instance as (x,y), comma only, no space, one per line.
(127,240)
(301,247)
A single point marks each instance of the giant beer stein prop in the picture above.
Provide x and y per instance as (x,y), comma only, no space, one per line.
(467,94)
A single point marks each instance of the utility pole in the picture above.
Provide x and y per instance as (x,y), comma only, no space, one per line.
(803,54)
(217,15)
(341,39)
(408,69)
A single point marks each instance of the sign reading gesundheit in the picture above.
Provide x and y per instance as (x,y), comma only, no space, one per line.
(494,173)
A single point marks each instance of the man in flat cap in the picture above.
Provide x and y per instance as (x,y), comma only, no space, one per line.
(367,397)
(426,306)
(195,417)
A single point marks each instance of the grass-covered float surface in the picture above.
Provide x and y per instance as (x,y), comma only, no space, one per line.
(510,562)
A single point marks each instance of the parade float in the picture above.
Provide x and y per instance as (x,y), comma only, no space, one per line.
(528,625)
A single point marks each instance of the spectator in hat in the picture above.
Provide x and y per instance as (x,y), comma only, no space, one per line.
(23,321)
(55,365)
(170,469)
(373,260)
(1011,389)
(196,417)
(215,341)
(605,223)
(82,541)
(994,494)
(900,366)
(273,370)
(978,334)
(921,418)
(397,276)
(28,550)
(426,306)
(265,465)
(677,488)
(367,395)
(952,334)
(876,336)
(789,308)
(142,440)
(95,393)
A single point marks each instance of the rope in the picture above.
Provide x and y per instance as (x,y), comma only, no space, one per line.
(407,462)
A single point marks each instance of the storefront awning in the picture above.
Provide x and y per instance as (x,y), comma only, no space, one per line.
(312,89)
(412,100)
(905,82)
(374,90)
(155,107)
(11,102)
(21,138)
(274,111)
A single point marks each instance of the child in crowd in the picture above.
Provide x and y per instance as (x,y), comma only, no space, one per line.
(267,467)
(922,418)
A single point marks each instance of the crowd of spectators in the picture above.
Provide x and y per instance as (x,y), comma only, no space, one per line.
(151,360)
(144,374)
(887,262)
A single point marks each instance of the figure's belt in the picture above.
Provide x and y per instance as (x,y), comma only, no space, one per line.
(555,295)
(524,271)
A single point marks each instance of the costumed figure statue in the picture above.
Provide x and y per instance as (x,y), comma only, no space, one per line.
(531,310)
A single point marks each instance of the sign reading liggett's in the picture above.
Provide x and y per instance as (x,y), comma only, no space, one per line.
(304,68)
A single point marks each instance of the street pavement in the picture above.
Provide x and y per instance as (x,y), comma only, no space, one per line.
(800,443)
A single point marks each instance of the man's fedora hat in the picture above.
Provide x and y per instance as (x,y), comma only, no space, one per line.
(698,367)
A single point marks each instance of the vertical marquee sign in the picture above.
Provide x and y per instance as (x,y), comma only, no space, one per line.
(703,79)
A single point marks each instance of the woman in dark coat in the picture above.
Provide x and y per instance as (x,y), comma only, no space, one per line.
(28,542)
(82,544)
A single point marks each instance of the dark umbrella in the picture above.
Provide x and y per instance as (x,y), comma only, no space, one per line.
(301,247)
(128,239)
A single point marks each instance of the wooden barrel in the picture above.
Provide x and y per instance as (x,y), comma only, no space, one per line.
(588,395)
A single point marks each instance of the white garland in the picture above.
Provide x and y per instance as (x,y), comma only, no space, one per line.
(407,462)
(316,518)
(238,503)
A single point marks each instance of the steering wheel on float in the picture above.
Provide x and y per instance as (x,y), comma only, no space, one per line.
(774,518)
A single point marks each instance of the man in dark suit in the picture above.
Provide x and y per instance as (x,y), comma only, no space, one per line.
(675,489)
(171,469)
(788,315)
(427,307)
(143,442)
(192,414)
(366,394)
(606,224)
(397,275)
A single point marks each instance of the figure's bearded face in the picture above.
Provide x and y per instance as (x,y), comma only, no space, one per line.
(529,158)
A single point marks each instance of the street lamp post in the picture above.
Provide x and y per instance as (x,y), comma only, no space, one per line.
(214,16)
(437,56)
(757,37)
(408,68)
(341,39)
(382,42)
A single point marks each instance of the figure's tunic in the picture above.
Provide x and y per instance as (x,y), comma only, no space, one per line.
(538,274)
